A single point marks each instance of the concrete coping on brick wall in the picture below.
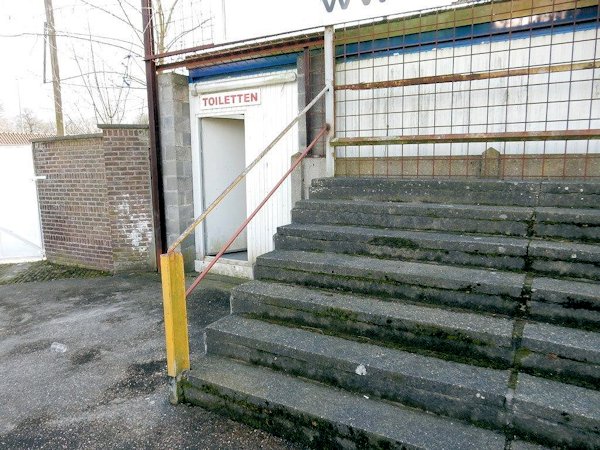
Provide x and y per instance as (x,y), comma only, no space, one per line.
(67,138)
(108,126)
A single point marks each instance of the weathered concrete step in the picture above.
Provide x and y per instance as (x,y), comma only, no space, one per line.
(565,354)
(456,390)
(318,416)
(467,288)
(481,251)
(570,194)
(556,413)
(431,191)
(511,221)
(566,302)
(566,259)
(459,336)
(485,192)
(570,224)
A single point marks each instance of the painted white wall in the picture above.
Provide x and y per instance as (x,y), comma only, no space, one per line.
(263,122)
(517,103)
(248,19)
(20,234)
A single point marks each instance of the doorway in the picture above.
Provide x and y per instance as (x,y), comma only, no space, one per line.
(223,153)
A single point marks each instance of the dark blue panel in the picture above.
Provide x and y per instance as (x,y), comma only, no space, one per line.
(247,67)
(492,31)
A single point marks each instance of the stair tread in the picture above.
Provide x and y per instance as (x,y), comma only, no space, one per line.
(450,377)
(564,342)
(558,399)
(499,244)
(573,251)
(381,419)
(498,328)
(422,274)
(488,212)
(563,291)
(550,213)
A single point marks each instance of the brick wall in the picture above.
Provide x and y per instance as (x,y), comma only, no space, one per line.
(95,202)
(127,166)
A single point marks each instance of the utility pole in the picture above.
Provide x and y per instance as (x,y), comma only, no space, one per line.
(60,127)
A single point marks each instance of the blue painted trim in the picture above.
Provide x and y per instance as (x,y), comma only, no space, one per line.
(247,67)
(536,25)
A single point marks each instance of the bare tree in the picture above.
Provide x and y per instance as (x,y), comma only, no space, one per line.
(28,122)
(109,84)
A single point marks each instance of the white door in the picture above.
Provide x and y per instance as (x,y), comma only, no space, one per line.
(223,159)
(20,234)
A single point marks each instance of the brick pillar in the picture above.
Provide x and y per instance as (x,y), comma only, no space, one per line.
(176,160)
(127,167)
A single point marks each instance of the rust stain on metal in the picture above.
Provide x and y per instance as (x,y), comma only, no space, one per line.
(555,135)
(451,78)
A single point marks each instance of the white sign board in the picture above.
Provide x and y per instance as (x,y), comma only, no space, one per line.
(230,99)
(248,19)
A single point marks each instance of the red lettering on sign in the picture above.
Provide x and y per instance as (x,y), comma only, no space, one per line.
(230,99)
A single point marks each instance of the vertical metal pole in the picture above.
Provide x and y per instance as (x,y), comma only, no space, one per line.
(176,324)
(158,207)
(329,99)
(58,112)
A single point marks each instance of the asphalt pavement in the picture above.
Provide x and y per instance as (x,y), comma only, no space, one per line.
(82,366)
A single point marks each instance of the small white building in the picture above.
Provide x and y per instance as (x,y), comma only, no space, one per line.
(20,232)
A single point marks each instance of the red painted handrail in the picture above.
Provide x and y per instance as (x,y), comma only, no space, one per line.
(241,228)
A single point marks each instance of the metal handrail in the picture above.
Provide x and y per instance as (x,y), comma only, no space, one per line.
(241,228)
(242,175)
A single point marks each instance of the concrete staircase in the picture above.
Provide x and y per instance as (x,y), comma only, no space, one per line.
(419,314)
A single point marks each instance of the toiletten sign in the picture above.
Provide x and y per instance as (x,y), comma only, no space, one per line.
(248,19)
(230,99)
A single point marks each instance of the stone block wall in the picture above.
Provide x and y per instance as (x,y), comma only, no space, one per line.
(311,80)
(176,160)
(95,200)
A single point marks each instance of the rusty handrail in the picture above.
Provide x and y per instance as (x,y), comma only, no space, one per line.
(242,175)
(241,228)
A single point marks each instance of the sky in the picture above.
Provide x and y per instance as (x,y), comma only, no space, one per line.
(93,31)
(22,83)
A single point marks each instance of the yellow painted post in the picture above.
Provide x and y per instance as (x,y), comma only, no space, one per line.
(176,325)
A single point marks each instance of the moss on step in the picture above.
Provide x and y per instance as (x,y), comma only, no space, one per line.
(394,242)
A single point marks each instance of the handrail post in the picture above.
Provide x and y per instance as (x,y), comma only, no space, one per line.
(176,324)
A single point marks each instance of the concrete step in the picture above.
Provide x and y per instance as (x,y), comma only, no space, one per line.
(447,388)
(566,302)
(505,220)
(565,259)
(565,354)
(574,194)
(480,192)
(555,413)
(467,288)
(570,194)
(458,336)
(481,251)
(569,224)
(320,416)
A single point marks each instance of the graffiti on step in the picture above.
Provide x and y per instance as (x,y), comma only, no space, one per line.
(330,4)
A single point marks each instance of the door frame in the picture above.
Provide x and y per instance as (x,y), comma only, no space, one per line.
(202,180)
(198,170)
